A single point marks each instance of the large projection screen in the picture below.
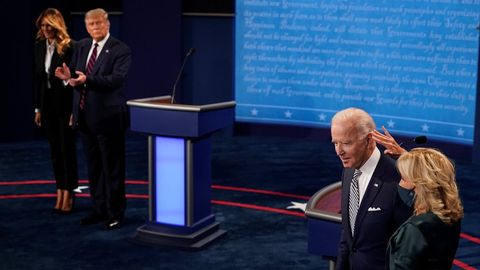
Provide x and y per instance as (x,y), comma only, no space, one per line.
(411,64)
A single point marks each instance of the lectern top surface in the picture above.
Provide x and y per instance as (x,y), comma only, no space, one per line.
(164,102)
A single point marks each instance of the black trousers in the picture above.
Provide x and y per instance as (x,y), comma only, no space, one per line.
(61,138)
(105,158)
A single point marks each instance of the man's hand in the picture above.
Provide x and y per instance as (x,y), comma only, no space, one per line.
(78,81)
(63,72)
(38,119)
(393,149)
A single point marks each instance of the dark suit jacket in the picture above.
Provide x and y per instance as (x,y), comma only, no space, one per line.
(423,242)
(62,103)
(105,107)
(366,250)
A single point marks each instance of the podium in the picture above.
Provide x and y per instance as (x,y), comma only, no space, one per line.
(324,217)
(179,169)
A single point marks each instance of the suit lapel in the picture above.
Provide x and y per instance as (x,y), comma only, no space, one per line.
(55,62)
(40,54)
(103,55)
(84,55)
(370,194)
(347,179)
(43,51)
(373,188)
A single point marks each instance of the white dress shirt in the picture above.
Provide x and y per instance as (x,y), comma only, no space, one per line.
(100,46)
(48,59)
(367,171)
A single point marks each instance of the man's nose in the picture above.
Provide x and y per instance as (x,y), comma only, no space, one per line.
(339,151)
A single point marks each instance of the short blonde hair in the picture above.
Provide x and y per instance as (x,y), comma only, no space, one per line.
(54,18)
(359,118)
(98,12)
(433,175)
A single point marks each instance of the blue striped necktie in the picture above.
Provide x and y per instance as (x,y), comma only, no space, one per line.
(354,199)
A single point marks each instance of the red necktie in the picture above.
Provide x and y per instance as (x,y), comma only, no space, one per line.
(90,64)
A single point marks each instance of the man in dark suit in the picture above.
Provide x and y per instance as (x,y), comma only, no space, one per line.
(371,207)
(101,64)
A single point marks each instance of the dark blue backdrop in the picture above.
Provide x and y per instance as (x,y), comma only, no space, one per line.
(155,31)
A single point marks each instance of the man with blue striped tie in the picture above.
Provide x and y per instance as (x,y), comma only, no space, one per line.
(371,206)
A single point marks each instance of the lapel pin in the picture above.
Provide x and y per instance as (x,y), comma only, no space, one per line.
(376,185)
(107,51)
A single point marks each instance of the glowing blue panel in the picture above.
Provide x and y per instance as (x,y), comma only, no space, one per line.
(169,180)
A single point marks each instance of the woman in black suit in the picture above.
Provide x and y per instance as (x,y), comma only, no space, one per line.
(429,239)
(53,103)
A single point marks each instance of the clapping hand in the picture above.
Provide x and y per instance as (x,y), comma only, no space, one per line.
(63,72)
(79,80)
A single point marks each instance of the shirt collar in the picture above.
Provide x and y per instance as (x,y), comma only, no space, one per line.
(102,42)
(50,45)
(371,163)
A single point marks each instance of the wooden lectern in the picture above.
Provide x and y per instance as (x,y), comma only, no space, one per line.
(179,174)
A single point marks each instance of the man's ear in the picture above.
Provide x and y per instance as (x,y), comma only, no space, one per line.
(369,137)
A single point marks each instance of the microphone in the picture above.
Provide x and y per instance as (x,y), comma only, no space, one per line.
(420,139)
(190,52)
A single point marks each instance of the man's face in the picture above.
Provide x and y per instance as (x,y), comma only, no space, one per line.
(352,150)
(97,27)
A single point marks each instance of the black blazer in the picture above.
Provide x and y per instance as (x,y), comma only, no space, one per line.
(381,212)
(63,102)
(105,103)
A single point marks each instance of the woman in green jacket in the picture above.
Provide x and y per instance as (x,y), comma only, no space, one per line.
(429,239)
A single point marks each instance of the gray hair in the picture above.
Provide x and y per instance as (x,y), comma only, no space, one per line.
(362,121)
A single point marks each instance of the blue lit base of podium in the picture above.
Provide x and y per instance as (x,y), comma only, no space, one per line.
(180,209)
(188,238)
(179,162)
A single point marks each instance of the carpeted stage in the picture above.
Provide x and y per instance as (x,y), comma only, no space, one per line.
(255,180)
